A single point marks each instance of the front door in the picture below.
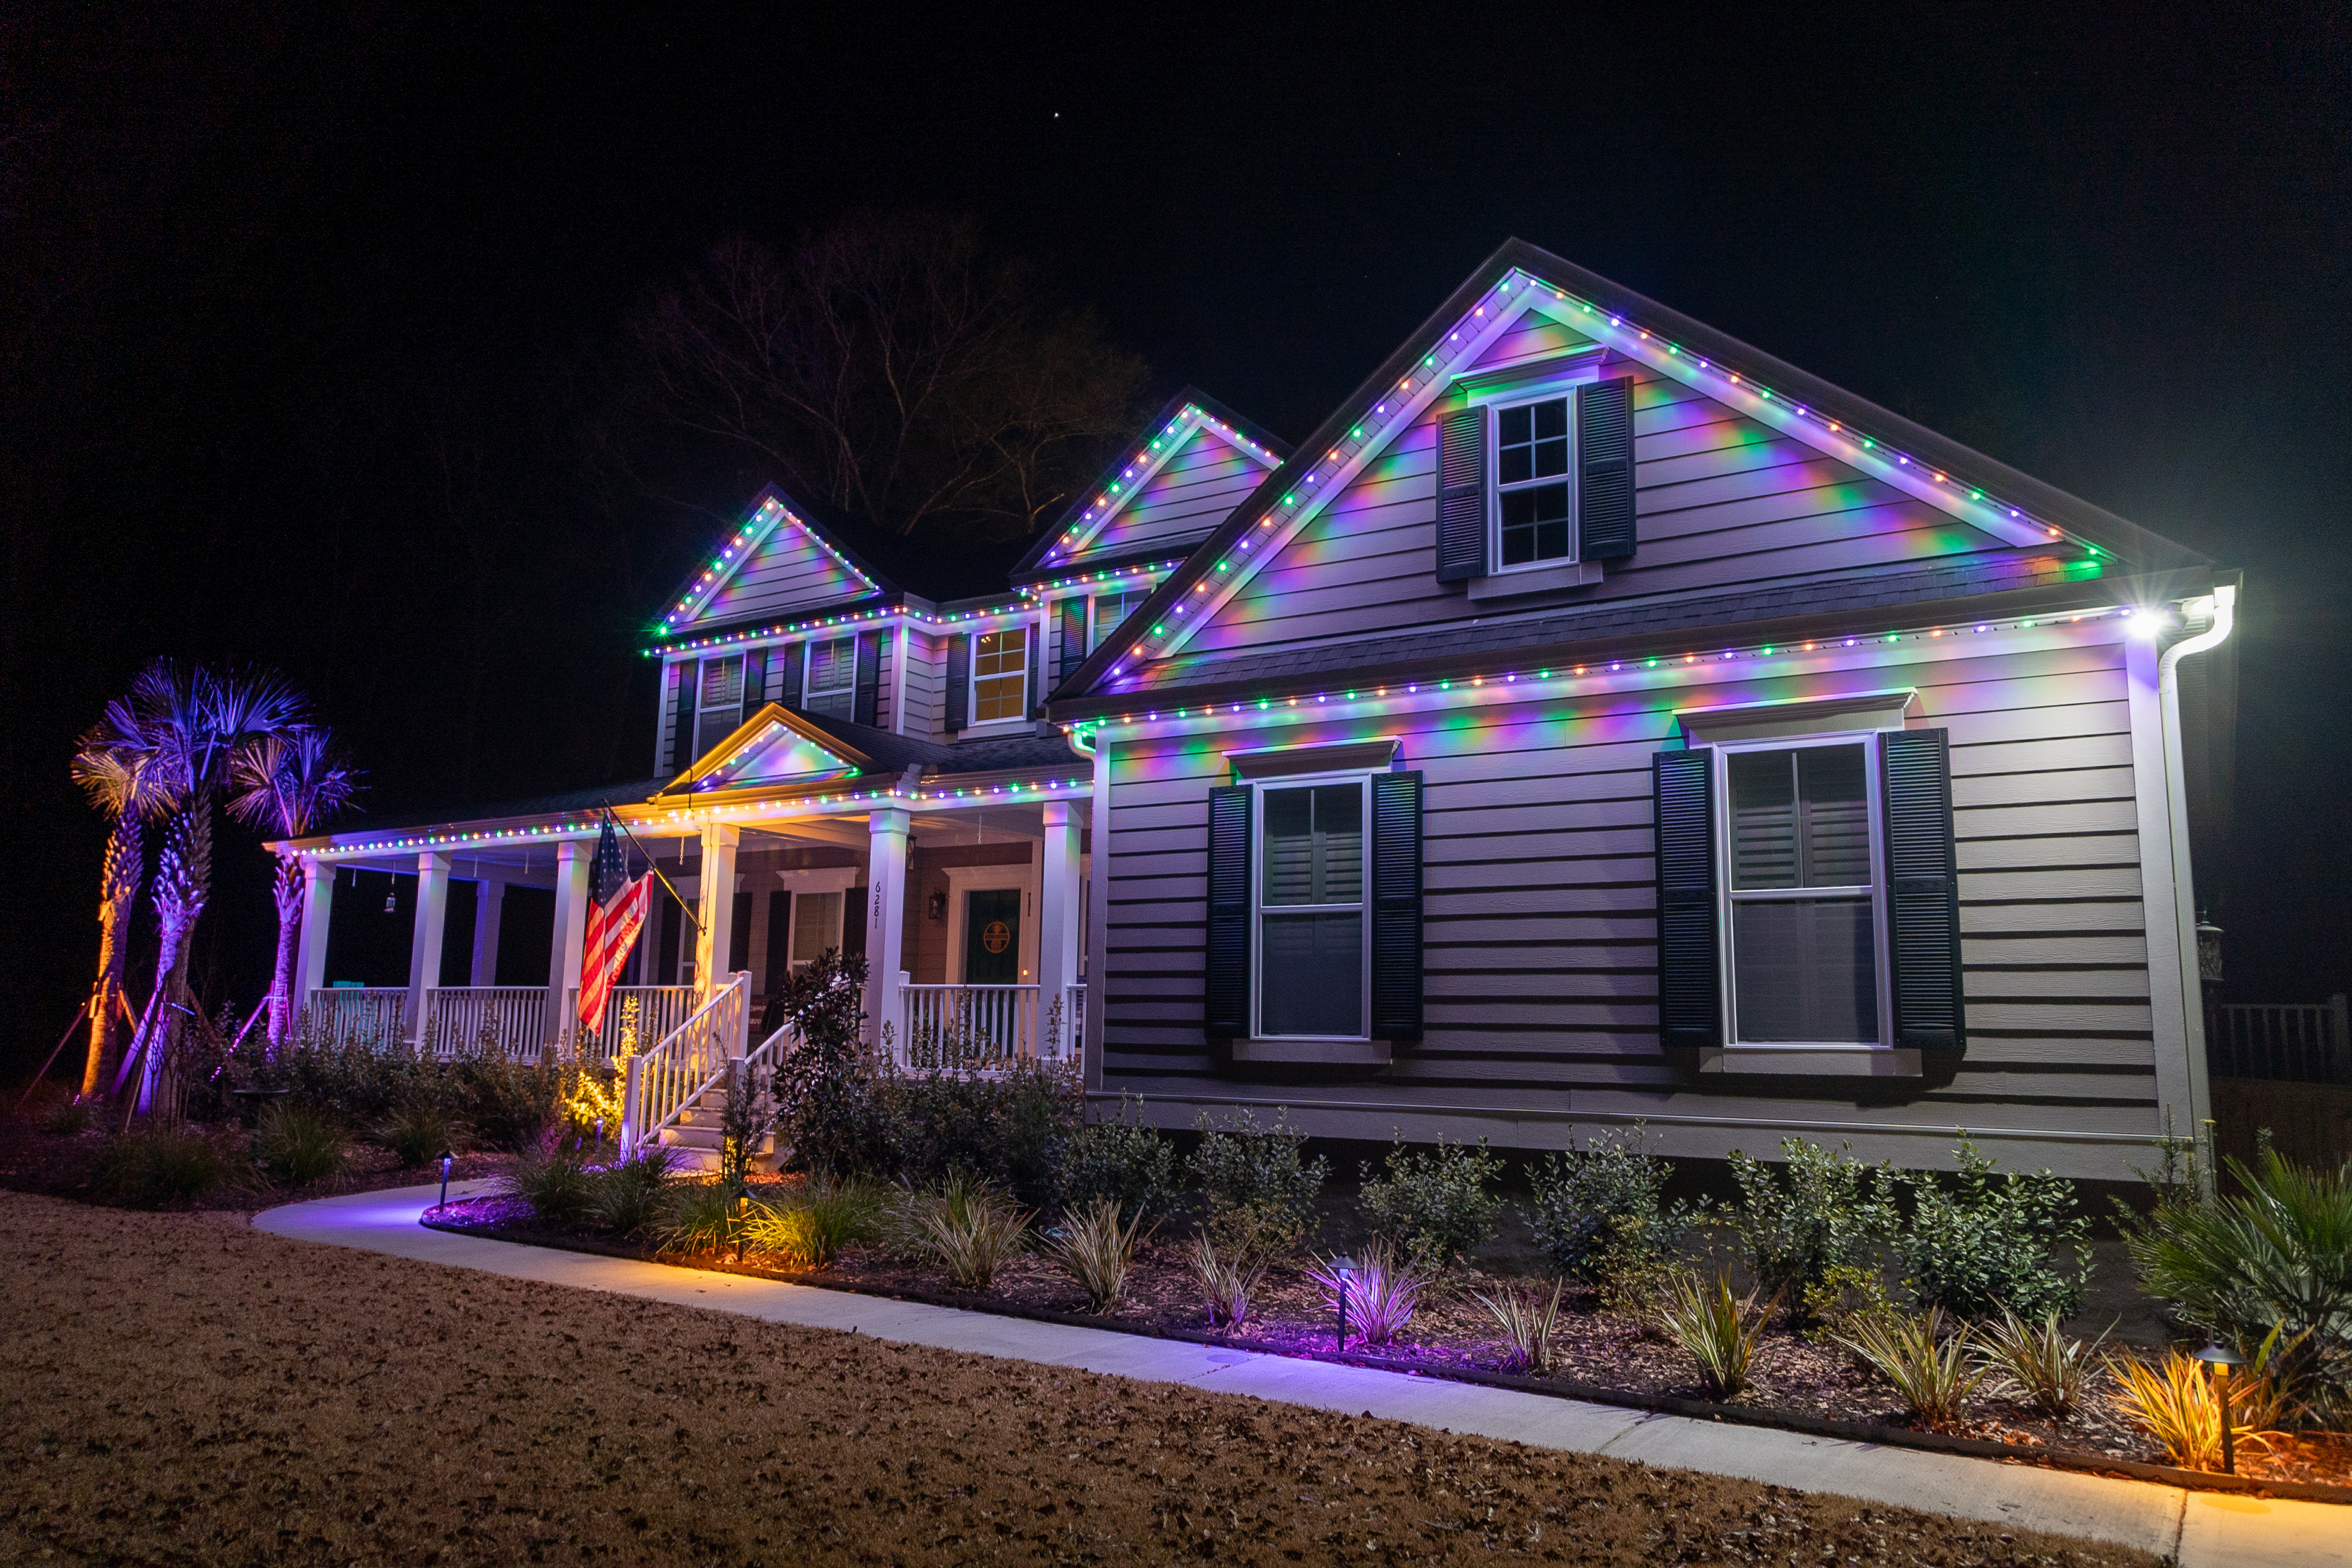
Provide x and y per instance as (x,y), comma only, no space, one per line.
(992,937)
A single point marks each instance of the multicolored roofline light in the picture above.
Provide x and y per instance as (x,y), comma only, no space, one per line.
(1143,464)
(754,532)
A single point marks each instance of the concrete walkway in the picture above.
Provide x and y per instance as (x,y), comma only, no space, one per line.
(2201,1529)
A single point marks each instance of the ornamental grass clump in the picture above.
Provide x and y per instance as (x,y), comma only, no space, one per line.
(149,1169)
(1378,1297)
(633,1195)
(703,1217)
(2176,1403)
(554,1180)
(297,1145)
(1718,1331)
(809,1229)
(1096,1250)
(1435,1204)
(966,1227)
(1227,1280)
(2040,1362)
(1528,1321)
(419,1132)
(1934,1371)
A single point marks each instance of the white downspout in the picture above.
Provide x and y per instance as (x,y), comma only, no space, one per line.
(2184,890)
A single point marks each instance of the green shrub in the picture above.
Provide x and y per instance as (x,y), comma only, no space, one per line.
(1259,1194)
(1096,1250)
(297,1144)
(832,1110)
(2275,1256)
(1821,1210)
(633,1195)
(147,1169)
(1124,1160)
(1979,1243)
(1600,1212)
(1437,1204)
(809,1229)
(67,1117)
(554,1181)
(1718,1332)
(419,1133)
(1011,1130)
(510,1105)
(1528,1321)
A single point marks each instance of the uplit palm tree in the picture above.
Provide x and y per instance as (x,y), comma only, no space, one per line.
(115,767)
(198,722)
(288,784)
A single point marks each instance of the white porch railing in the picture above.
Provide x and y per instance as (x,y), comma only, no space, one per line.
(636,1017)
(367,1016)
(510,1019)
(980,1028)
(664,1081)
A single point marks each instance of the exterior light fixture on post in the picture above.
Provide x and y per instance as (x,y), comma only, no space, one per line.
(1343,1268)
(2222,1359)
(448,1158)
(742,1221)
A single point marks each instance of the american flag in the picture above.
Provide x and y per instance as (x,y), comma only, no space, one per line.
(616,912)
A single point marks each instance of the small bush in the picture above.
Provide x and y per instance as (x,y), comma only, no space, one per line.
(1437,1204)
(1528,1321)
(1011,1130)
(832,1113)
(146,1170)
(808,1229)
(2039,1363)
(419,1133)
(1600,1212)
(1844,1292)
(1260,1194)
(2177,1404)
(964,1227)
(1097,1251)
(633,1195)
(297,1145)
(1980,1244)
(1821,1210)
(554,1181)
(1378,1297)
(1227,1280)
(510,1105)
(1718,1333)
(1124,1160)
(1933,1372)
(66,1118)
(704,1218)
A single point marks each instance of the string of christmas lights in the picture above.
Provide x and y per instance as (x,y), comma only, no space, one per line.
(755,530)
(1139,469)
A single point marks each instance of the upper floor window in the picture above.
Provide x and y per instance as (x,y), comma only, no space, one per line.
(1109,610)
(718,701)
(1534,495)
(1000,675)
(831,688)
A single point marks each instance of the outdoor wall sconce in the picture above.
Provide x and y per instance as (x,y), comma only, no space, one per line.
(938,906)
(2221,1361)
(448,1158)
(1344,1267)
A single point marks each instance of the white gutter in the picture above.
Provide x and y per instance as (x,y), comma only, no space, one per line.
(2184,890)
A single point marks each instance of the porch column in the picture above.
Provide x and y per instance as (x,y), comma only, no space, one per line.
(489,898)
(311,954)
(715,906)
(572,858)
(1057,917)
(886,918)
(424,940)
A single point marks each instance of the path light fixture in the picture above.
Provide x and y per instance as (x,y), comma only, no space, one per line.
(1343,1268)
(2222,1359)
(742,1222)
(448,1158)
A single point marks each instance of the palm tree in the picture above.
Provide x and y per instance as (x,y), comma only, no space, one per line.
(288,784)
(198,720)
(115,769)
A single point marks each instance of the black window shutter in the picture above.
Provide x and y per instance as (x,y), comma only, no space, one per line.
(739,936)
(780,941)
(755,681)
(856,916)
(689,679)
(1074,635)
(958,679)
(1914,771)
(870,677)
(1396,906)
(1605,490)
(788,692)
(1036,691)
(1461,496)
(1690,993)
(1226,1011)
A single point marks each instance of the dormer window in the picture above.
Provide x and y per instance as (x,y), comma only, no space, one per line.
(1109,610)
(831,688)
(1534,488)
(1000,675)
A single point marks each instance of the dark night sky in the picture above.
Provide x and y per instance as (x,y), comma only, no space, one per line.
(292,303)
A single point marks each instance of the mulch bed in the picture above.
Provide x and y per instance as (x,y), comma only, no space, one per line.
(62,1164)
(1450,1333)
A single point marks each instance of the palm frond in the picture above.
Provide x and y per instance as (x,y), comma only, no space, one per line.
(292,782)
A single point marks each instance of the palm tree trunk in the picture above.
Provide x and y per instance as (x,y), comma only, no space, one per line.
(182,872)
(289,893)
(118,885)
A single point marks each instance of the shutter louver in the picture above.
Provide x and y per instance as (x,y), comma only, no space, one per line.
(1923,889)
(1690,993)
(682,737)
(1396,907)
(788,691)
(1225,993)
(958,680)
(1033,694)
(869,677)
(1605,491)
(1074,635)
(1461,496)
(755,681)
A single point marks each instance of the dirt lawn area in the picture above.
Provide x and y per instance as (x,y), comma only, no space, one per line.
(182,1388)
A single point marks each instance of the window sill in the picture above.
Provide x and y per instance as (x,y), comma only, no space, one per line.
(997,729)
(1867,1061)
(1531,579)
(1347,1053)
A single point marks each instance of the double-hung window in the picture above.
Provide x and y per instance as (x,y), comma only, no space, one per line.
(831,687)
(1535,488)
(1803,894)
(1311,909)
(718,701)
(1000,675)
(1109,610)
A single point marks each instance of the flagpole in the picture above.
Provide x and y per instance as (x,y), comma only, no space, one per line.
(651,864)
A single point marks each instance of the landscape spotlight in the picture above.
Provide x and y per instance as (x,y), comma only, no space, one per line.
(1343,1268)
(2222,1359)
(448,1158)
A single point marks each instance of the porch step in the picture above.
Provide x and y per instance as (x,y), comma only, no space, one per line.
(699,1134)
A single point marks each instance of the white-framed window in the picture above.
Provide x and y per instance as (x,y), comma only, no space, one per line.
(1804,884)
(1533,515)
(1312,922)
(1106,611)
(829,685)
(718,701)
(1000,675)
(817,926)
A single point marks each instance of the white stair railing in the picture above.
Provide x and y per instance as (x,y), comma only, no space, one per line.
(662,1082)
